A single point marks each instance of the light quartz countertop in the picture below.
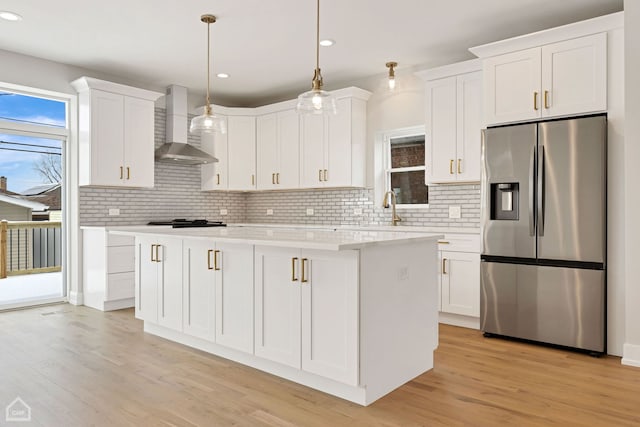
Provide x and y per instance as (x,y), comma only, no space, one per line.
(305,238)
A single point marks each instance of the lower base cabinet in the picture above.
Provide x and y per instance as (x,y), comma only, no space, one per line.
(459,277)
(305,315)
(218,292)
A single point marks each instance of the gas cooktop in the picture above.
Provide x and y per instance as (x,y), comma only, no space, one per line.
(187,223)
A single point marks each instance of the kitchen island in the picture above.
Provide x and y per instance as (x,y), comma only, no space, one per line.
(348,312)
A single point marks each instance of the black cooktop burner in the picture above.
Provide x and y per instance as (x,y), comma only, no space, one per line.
(186,223)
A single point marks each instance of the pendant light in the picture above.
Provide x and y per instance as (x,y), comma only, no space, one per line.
(316,101)
(391,81)
(208,122)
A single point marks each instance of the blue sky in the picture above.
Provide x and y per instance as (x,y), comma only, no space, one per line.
(18,166)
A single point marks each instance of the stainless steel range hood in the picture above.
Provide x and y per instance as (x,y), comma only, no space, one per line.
(177,150)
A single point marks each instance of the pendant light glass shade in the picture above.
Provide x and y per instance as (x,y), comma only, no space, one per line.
(316,101)
(391,80)
(208,122)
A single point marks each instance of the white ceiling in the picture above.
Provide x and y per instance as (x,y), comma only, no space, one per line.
(268,45)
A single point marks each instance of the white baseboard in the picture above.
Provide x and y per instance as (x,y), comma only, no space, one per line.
(631,355)
(75,298)
(459,320)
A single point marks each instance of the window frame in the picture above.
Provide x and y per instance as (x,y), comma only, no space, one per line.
(388,170)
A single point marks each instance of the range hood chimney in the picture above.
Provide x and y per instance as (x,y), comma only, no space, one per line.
(176,149)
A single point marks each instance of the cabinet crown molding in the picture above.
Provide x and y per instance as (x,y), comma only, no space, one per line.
(565,32)
(450,70)
(84,84)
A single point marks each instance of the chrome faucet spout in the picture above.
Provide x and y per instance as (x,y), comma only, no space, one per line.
(390,195)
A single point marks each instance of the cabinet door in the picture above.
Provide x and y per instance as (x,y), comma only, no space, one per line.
(170,283)
(574,76)
(288,150)
(512,87)
(146,281)
(241,137)
(469,118)
(441,130)
(461,283)
(330,314)
(312,151)
(277,312)
(214,175)
(199,289)
(138,142)
(338,151)
(267,149)
(234,296)
(107,138)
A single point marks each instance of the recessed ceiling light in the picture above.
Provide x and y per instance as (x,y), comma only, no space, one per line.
(10,16)
(327,42)
(222,75)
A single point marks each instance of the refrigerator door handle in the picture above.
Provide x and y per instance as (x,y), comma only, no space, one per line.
(532,192)
(541,191)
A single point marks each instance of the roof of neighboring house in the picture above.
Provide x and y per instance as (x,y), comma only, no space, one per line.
(11,193)
(34,206)
(47,194)
(40,189)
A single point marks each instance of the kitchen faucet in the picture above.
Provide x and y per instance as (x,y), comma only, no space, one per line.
(385,204)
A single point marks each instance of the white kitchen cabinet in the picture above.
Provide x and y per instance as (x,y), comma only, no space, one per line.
(557,79)
(116,134)
(453,123)
(332,147)
(459,274)
(199,288)
(278,145)
(305,315)
(235,169)
(108,269)
(159,281)
(233,268)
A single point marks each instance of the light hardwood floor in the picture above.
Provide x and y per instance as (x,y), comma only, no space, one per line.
(76,366)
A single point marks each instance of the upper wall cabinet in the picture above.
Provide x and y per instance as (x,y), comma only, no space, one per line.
(453,122)
(116,134)
(332,148)
(236,154)
(278,147)
(557,79)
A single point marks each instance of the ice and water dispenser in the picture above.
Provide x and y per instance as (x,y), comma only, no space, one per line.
(504,201)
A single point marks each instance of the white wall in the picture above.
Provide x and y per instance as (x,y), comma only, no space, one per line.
(631,352)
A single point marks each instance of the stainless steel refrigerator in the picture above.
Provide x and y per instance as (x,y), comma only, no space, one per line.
(543,221)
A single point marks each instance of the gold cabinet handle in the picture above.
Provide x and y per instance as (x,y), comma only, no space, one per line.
(278,178)
(215,260)
(535,101)
(128,172)
(320,175)
(546,99)
(253,180)
(444,265)
(273,178)
(459,166)
(326,175)
(209,259)
(443,242)
(217,179)
(157,256)
(451,167)
(121,172)
(153,247)
(303,278)
(293,269)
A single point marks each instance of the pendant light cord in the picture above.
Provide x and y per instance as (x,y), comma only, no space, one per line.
(208,65)
(318,38)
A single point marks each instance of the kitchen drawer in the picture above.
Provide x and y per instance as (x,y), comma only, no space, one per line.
(121,259)
(117,240)
(120,286)
(460,243)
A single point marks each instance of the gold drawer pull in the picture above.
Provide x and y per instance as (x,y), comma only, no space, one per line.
(451,167)
(443,242)
(215,260)
(535,101)
(217,179)
(444,265)
(546,99)
(293,269)
(459,166)
(303,279)
(128,172)
(121,172)
(209,267)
